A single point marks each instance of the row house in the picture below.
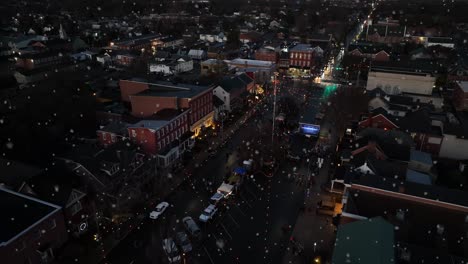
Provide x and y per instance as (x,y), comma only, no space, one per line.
(167,42)
(220,37)
(168,137)
(148,98)
(59,186)
(119,176)
(385,34)
(173,65)
(37,60)
(137,43)
(373,52)
(33,229)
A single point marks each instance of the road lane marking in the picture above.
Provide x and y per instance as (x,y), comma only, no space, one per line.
(227,232)
(237,224)
(208,254)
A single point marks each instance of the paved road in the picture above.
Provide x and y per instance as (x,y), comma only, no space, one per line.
(250,229)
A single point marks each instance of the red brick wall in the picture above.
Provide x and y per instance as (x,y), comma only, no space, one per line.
(153,141)
(128,88)
(377,121)
(144,137)
(304,62)
(178,127)
(145,106)
(184,102)
(23,249)
(24,63)
(105,138)
(266,56)
(200,106)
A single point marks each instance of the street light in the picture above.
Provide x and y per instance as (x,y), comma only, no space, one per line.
(274,106)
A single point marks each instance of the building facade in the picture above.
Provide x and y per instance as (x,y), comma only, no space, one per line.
(34,238)
(401,82)
(460,96)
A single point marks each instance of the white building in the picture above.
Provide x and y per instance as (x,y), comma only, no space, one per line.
(220,37)
(197,54)
(172,66)
(395,82)
(440,41)
(455,142)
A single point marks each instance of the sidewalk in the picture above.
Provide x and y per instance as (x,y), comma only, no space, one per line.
(314,232)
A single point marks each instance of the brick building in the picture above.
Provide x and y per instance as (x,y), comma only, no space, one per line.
(265,54)
(137,44)
(148,98)
(38,60)
(167,137)
(60,186)
(302,59)
(31,229)
(460,96)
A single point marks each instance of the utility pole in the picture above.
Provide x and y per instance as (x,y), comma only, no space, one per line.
(274,107)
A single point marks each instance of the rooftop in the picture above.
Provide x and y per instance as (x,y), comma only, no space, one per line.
(421,156)
(463,86)
(418,177)
(152,124)
(15,173)
(419,220)
(251,63)
(19,213)
(168,89)
(302,47)
(368,241)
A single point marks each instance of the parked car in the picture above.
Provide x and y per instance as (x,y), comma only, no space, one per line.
(159,210)
(191,226)
(208,213)
(171,250)
(183,242)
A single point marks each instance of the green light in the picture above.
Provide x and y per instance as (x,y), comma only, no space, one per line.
(329,90)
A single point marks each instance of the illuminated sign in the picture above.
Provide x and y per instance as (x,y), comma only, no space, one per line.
(309,129)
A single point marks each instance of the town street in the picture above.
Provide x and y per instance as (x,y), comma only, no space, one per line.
(256,218)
